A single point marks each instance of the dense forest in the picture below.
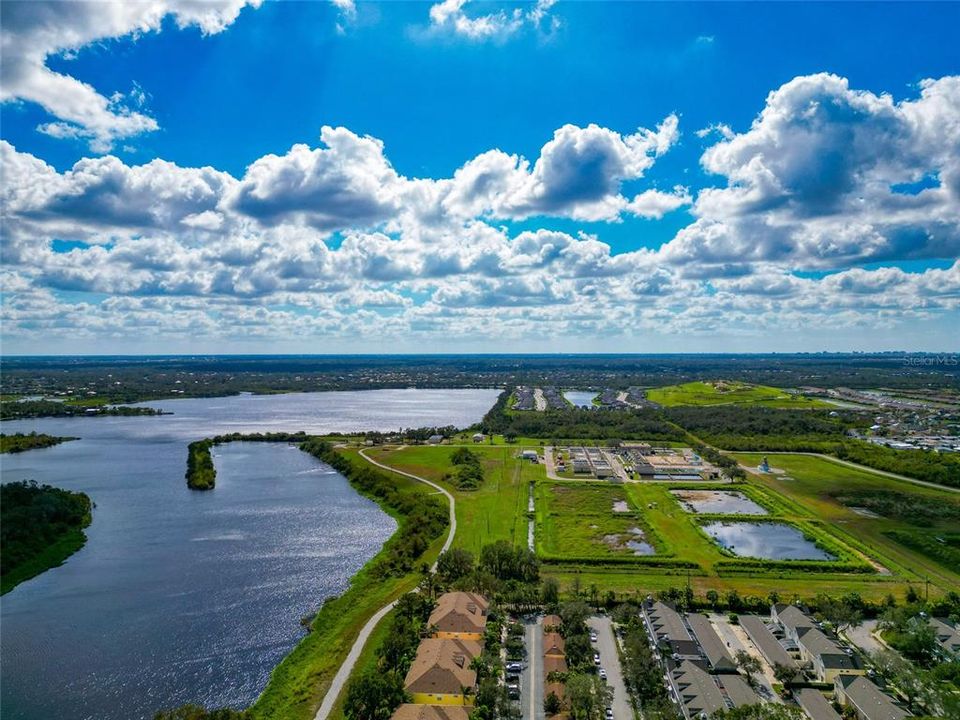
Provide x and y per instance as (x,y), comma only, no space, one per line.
(733,427)
(40,526)
(21,442)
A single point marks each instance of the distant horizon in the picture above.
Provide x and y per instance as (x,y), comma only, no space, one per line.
(486,354)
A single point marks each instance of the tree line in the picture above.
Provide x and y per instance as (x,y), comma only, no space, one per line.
(21,442)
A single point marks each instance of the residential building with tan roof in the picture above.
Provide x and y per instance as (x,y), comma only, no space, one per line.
(459,615)
(410,711)
(553,645)
(553,663)
(441,671)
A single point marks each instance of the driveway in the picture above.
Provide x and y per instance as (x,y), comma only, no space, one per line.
(862,637)
(531,679)
(610,661)
(736,638)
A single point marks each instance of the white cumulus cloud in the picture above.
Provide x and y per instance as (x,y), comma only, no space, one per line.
(31,32)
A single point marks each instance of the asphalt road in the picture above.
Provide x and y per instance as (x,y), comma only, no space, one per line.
(606,645)
(531,679)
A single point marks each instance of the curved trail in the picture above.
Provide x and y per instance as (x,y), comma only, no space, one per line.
(343,674)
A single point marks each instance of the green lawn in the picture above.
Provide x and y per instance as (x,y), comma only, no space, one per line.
(572,520)
(578,520)
(495,511)
(729,393)
(814,483)
(366,662)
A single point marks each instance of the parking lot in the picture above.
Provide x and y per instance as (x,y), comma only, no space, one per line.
(531,677)
(606,646)
(734,637)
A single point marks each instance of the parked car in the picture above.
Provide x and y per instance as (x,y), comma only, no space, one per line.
(514,667)
(593,637)
(513,692)
(609,714)
(596,659)
(603,674)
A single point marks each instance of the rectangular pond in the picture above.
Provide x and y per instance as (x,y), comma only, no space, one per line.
(766,540)
(580,398)
(720,502)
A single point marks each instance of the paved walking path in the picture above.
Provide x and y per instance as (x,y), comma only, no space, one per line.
(343,674)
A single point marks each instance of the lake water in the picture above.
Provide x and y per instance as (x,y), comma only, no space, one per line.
(182,596)
(767,540)
(721,502)
(580,398)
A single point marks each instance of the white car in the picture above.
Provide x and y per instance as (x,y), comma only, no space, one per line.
(609,714)
(603,674)
(596,659)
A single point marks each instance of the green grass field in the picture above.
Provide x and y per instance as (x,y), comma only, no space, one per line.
(580,520)
(574,520)
(815,484)
(495,511)
(729,393)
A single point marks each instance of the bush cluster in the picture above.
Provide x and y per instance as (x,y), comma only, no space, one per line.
(468,472)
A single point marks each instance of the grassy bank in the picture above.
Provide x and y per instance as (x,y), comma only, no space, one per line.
(497,510)
(299,683)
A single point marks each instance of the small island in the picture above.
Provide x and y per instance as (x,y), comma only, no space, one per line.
(202,475)
(21,442)
(21,409)
(40,527)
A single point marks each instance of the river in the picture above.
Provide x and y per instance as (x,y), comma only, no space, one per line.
(182,596)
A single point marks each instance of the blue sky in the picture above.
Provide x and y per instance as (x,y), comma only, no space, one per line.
(791,235)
